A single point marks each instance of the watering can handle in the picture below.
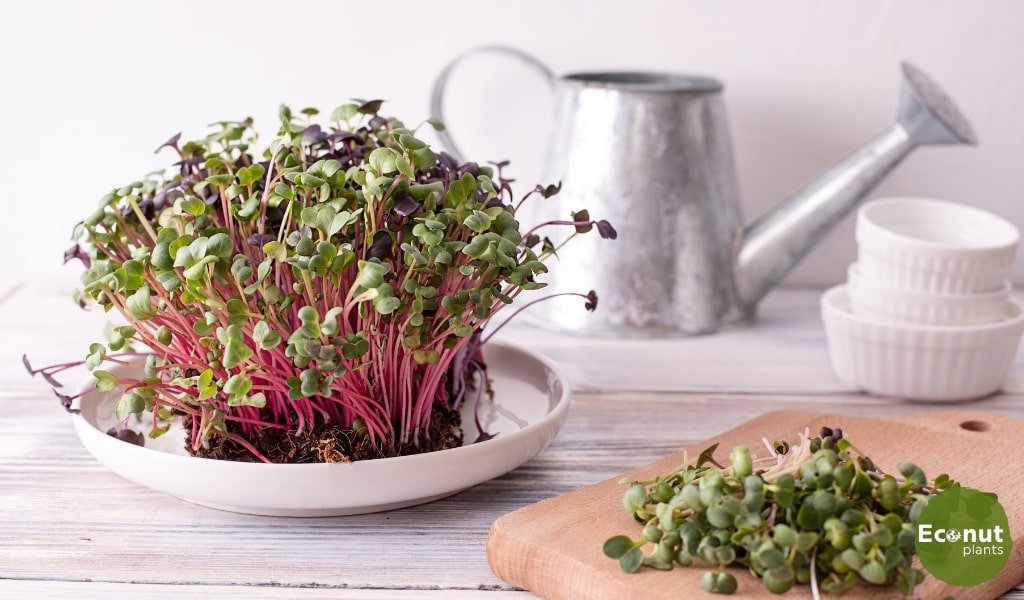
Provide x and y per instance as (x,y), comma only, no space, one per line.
(437,96)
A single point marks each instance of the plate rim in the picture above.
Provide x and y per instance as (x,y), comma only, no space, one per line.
(84,428)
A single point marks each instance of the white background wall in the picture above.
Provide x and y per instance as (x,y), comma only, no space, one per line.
(88,89)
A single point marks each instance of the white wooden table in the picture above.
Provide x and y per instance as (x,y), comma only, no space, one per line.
(71,529)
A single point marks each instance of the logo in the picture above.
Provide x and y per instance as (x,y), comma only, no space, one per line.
(963,537)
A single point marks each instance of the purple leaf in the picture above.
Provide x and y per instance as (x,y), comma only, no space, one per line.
(370,107)
(171,143)
(28,365)
(405,206)
(260,239)
(169,194)
(314,132)
(50,380)
(470,167)
(606,230)
(189,162)
(483,436)
(550,190)
(186,165)
(591,304)
(582,219)
(380,248)
(127,435)
(394,221)
(506,187)
(75,251)
(447,160)
(160,199)
(146,207)
(549,246)
(343,136)
(66,401)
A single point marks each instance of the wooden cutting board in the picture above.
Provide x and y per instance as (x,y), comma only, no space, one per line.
(553,547)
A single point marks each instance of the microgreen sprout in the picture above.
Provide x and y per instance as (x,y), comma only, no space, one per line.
(818,513)
(341,274)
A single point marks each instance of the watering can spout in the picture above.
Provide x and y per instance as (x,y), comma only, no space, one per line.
(771,246)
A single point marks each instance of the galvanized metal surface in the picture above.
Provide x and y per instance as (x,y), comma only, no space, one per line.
(651,153)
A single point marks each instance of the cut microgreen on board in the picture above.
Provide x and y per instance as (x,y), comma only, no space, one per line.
(816,513)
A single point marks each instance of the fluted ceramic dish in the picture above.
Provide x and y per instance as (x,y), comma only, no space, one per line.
(882,301)
(931,363)
(531,401)
(934,246)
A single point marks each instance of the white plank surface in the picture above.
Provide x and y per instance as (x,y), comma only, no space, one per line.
(137,591)
(69,528)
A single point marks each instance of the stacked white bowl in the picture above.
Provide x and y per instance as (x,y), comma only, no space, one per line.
(926,313)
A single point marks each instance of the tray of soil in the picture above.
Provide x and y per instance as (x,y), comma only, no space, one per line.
(302,325)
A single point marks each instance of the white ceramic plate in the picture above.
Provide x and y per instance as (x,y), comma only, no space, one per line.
(531,401)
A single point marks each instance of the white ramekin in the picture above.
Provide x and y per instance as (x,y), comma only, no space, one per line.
(882,301)
(919,362)
(934,246)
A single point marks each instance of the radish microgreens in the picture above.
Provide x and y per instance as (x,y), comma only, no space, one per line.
(343,274)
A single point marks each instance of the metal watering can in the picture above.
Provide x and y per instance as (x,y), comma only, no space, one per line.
(650,152)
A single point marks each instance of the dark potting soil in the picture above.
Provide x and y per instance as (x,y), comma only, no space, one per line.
(329,443)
